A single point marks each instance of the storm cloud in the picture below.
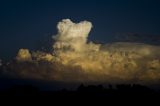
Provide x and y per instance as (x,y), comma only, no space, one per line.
(74,59)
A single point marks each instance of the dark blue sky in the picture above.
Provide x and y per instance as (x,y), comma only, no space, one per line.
(27,24)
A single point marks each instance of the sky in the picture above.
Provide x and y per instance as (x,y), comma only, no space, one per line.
(30,24)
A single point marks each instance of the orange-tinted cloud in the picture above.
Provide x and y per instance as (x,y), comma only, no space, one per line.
(75,60)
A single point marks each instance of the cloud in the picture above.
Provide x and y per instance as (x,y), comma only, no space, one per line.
(24,55)
(74,59)
(0,62)
(137,37)
(72,36)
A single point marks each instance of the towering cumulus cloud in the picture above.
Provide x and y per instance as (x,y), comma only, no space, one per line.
(71,35)
(74,59)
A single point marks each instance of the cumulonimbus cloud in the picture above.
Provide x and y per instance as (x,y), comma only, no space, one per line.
(75,60)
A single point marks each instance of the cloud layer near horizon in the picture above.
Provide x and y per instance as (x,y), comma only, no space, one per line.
(74,59)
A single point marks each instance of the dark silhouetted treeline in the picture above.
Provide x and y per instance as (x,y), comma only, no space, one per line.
(123,90)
